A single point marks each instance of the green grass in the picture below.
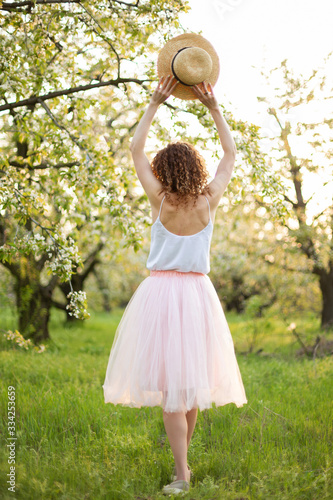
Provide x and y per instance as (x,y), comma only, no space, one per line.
(71,445)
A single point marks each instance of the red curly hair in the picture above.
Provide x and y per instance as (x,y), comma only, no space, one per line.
(182,170)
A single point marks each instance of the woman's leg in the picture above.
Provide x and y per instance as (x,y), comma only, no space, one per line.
(177,430)
(191,417)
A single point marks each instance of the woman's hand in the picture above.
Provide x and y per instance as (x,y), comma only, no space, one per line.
(165,87)
(206,97)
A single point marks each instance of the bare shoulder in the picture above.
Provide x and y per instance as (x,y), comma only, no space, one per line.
(155,204)
(216,189)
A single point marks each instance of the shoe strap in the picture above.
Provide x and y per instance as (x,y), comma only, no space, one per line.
(179,482)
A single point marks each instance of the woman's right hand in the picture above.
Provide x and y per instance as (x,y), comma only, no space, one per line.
(164,89)
(206,97)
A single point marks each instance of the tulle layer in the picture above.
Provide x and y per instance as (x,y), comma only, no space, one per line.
(173,348)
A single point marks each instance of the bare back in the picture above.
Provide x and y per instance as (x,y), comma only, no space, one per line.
(184,221)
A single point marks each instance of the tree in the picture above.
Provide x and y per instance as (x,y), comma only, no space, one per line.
(64,84)
(303,155)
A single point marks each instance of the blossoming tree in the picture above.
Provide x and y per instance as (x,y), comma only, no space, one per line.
(69,80)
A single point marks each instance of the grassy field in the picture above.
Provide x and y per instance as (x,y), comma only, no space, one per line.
(71,445)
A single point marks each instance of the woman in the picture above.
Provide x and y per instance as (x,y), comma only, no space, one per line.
(173,346)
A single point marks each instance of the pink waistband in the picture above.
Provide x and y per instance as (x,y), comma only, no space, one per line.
(174,273)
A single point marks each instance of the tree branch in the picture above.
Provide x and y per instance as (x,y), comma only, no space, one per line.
(30,4)
(32,101)
(306,350)
(284,267)
(12,6)
(93,260)
(315,192)
(41,262)
(43,166)
(136,4)
(321,213)
(307,245)
(89,269)
(294,168)
(103,36)
(59,305)
(54,281)
(13,268)
(289,200)
(62,127)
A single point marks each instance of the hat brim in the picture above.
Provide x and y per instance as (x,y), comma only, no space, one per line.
(169,51)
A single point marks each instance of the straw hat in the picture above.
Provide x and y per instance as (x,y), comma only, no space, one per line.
(191,59)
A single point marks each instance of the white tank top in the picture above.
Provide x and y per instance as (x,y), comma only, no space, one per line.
(171,252)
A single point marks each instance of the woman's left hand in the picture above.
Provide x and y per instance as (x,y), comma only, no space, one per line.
(206,96)
(165,87)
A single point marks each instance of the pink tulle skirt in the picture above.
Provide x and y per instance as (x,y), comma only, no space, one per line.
(173,348)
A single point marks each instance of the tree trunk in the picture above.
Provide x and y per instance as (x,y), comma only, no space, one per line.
(33,306)
(33,300)
(326,287)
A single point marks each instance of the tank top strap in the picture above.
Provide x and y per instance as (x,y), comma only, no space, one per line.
(159,213)
(208,205)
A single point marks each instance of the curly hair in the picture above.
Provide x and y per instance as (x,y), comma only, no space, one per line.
(182,170)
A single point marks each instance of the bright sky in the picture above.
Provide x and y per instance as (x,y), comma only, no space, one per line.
(256,33)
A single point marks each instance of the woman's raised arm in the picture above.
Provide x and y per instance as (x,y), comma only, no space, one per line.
(224,170)
(150,184)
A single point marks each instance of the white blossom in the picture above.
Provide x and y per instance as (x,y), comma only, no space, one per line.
(78,304)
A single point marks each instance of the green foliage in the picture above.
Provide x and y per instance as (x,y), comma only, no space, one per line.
(251,268)
(254,306)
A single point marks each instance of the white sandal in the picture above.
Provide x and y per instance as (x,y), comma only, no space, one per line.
(179,487)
